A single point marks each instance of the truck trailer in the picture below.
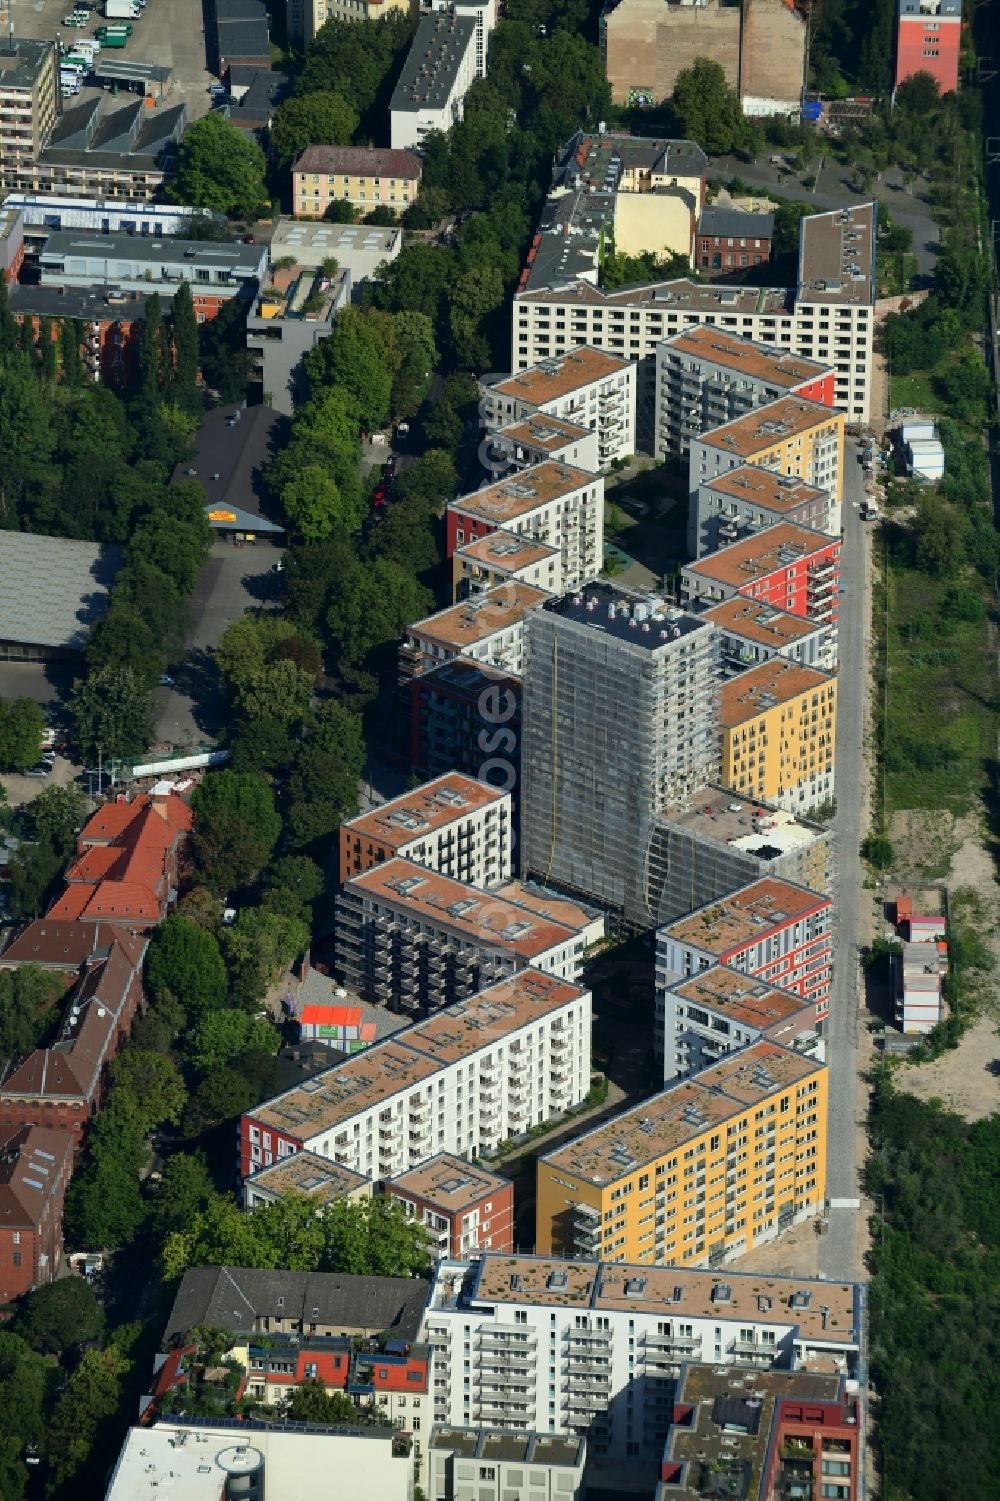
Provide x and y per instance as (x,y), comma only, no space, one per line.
(125,10)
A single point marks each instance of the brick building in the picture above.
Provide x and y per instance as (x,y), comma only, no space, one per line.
(929,40)
(464,1207)
(125,870)
(35,1167)
(466,715)
(732,239)
(454,824)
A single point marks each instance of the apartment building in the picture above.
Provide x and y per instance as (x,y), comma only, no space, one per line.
(532,440)
(744,500)
(706,376)
(303,18)
(929,40)
(709,1168)
(793,437)
(414,940)
(505,558)
(711,844)
(731,239)
(619,720)
(291,314)
(440,67)
(29,102)
(779,727)
(462,1081)
(785,566)
(479,1464)
(367,177)
(771,929)
(122,153)
(35,1168)
(551,503)
(467,716)
(316,1178)
(720,1011)
(596,1347)
(454,824)
(798,1431)
(486,628)
(752,632)
(463,1207)
(357,248)
(129,266)
(828,317)
(584,385)
(482,12)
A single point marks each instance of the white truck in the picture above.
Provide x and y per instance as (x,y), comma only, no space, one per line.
(121,10)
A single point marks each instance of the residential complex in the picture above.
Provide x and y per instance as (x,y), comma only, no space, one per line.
(771,929)
(779,725)
(596,1347)
(478,1464)
(532,440)
(121,153)
(415,940)
(785,566)
(307,1173)
(464,1207)
(550,503)
(487,628)
(790,436)
(706,376)
(829,317)
(439,69)
(585,385)
(29,102)
(291,314)
(619,720)
(744,500)
(702,1172)
(504,557)
(367,177)
(129,266)
(751,631)
(461,1082)
(454,824)
(929,40)
(35,1167)
(466,715)
(720,1011)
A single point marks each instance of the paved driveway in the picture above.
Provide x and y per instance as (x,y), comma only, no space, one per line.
(232,581)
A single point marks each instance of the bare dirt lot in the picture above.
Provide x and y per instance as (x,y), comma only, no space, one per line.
(964,1079)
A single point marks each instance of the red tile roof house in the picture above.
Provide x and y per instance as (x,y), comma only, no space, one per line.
(61,1086)
(35,1168)
(125,870)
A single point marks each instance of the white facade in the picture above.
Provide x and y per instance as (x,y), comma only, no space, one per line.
(583,386)
(488,628)
(438,71)
(710,458)
(484,13)
(460,1082)
(534,439)
(454,824)
(699,1020)
(480,1464)
(549,503)
(564,1346)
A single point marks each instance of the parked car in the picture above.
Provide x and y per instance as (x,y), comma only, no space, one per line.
(166,681)
(42,769)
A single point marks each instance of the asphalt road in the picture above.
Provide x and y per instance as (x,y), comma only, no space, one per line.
(838,1248)
(834,189)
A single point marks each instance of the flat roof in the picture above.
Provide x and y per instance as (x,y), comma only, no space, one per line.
(450,1183)
(681,1112)
(20,67)
(837,255)
(295,236)
(727,351)
(741,998)
(433,63)
(415,1054)
(775,547)
(321,1180)
(771,425)
(506,551)
(752,693)
(520,494)
(542,430)
(427,808)
(722,816)
(765,488)
(561,374)
(820,1311)
(53,590)
(476,619)
(645,621)
(515,1448)
(678,295)
(756,620)
(562,909)
(149,250)
(476,916)
(731,922)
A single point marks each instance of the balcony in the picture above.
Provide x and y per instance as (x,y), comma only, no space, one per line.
(659,1346)
(588,1340)
(514,1340)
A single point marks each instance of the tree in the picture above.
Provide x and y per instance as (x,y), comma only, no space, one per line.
(310,1402)
(966,385)
(48,367)
(184,962)
(878,851)
(60,1314)
(258,947)
(184,1190)
(221,1036)
(24,1378)
(222,1096)
(314,506)
(21,726)
(56,814)
(361,359)
(419,357)
(939,532)
(184,385)
(376,603)
(297,881)
(320,119)
(82,1429)
(918,95)
(113,715)
(236,827)
(151,352)
(339,211)
(154,1083)
(355,59)
(222,346)
(28,1007)
(707,109)
(219,168)
(373,1238)
(323,786)
(70,342)
(476,294)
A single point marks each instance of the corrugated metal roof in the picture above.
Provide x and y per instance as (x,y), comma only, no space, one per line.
(52,590)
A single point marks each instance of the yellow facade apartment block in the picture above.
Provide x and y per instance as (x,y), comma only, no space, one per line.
(715,1164)
(367,177)
(779,730)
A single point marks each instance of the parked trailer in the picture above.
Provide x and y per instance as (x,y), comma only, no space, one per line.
(196,762)
(121,9)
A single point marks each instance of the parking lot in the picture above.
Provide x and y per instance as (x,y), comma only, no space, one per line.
(170,33)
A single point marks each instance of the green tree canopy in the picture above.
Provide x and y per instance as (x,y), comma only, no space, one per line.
(21,725)
(154,1083)
(258,946)
(221,1036)
(184,1190)
(221,1096)
(24,1379)
(707,109)
(29,997)
(236,827)
(184,963)
(112,714)
(323,786)
(218,167)
(60,1314)
(319,119)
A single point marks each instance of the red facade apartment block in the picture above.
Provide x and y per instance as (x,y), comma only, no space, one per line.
(821,1437)
(929,40)
(35,1168)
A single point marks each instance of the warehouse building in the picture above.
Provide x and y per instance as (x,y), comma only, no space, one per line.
(53,591)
